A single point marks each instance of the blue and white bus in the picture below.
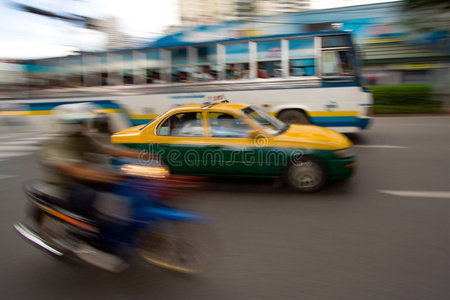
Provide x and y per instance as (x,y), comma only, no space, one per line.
(299,78)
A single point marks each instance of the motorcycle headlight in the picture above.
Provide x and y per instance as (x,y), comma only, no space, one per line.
(145,171)
(345,153)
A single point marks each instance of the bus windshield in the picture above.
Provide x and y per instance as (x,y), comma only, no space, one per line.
(271,124)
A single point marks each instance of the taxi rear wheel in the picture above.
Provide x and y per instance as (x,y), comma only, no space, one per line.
(305,175)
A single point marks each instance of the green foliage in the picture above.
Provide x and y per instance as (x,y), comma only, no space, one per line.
(417,4)
(427,16)
(402,94)
(432,107)
(404,99)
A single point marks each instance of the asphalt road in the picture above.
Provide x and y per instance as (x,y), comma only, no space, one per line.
(383,234)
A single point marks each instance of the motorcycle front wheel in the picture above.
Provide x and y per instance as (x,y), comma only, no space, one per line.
(184,247)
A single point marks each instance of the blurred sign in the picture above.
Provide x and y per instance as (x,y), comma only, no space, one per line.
(332,105)
(383,40)
(416,66)
(242,33)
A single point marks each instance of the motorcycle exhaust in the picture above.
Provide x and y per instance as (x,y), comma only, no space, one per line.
(31,236)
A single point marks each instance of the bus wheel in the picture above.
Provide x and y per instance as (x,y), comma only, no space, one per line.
(292,116)
(305,175)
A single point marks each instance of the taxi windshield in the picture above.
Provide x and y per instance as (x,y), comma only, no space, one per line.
(270,123)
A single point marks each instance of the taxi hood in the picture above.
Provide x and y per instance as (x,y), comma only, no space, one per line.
(316,136)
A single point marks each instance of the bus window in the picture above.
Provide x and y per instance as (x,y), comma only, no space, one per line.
(204,73)
(153,58)
(181,75)
(338,63)
(128,76)
(237,57)
(302,67)
(179,56)
(269,59)
(206,67)
(181,71)
(301,58)
(153,62)
(267,69)
(231,72)
(154,76)
(207,54)
(237,71)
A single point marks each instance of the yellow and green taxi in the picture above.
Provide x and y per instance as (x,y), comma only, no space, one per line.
(228,139)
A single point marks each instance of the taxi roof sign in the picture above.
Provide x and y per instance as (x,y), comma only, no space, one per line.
(212,100)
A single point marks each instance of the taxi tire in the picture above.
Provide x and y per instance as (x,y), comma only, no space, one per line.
(293,116)
(305,174)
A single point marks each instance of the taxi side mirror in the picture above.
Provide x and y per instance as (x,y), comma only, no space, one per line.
(254,134)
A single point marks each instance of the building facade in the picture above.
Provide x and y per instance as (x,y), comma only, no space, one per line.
(391,51)
(196,12)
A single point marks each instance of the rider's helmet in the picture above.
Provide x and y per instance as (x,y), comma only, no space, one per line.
(75,117)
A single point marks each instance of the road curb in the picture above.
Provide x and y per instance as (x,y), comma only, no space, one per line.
(442,113)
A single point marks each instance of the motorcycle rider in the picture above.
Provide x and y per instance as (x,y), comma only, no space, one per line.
(101,133)
(69,175)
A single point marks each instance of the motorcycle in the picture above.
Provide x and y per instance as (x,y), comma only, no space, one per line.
(167,237)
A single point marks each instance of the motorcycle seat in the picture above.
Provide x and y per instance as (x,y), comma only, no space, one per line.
(36,190)
(39,191)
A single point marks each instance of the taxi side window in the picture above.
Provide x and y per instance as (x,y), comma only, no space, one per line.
(183,124)
(226,125)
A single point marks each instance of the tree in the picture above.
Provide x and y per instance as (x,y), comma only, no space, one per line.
(428,15)
(420,4)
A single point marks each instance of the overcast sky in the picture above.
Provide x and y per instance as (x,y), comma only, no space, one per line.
(24,35)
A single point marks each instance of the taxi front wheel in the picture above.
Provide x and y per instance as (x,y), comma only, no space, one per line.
(305,174)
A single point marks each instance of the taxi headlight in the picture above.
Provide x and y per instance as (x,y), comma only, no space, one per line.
(145,171)
(345,153)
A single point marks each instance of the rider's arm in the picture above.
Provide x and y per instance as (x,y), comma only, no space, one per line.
(106,147)
(84,172)
(122,152)
(60,155)
(101,144)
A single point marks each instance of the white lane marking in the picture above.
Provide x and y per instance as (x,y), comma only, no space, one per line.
(37,138)
(380,146)
(420,194)
(7,176)
(20,143)
(13,154)
(17,135)
(28,136)
(18,148)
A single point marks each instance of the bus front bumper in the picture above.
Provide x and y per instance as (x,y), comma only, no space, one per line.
(364,122)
